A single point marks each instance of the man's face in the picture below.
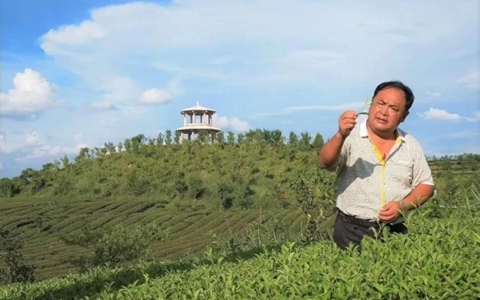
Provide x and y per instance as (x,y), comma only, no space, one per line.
(387,110)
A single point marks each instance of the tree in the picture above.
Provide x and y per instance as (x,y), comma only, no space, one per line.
(231,138)
(195,186)
(27,175)
(177,137)
(160,139)
(168,137)
(82,156)
(128,145)
(65,161)
(220,138)
(138,142)
(6,187)
(276,137)
(110,147)
(240,138)
(293,139)
(318,141)
(305,140)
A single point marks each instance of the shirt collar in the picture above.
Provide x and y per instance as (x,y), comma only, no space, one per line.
(364,132)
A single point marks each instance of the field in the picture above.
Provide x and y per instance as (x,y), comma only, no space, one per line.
(189,228)
(438,259)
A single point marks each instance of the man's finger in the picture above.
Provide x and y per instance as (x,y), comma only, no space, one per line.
(387,213)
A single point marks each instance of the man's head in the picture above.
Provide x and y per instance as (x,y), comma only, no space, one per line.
(390,106)
(409,97)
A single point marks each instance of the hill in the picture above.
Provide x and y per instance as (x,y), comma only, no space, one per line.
(241,192)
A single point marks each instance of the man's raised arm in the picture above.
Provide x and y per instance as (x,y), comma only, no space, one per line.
(330,152)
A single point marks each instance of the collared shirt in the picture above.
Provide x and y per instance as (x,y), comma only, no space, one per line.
(366,182)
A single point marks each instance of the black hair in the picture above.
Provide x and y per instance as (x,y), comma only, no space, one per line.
(409,97)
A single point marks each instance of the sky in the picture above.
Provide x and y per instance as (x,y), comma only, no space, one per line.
(81,73)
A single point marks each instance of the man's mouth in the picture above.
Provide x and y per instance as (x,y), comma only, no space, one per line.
(382,120)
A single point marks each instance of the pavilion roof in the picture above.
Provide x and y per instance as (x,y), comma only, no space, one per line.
(197,108)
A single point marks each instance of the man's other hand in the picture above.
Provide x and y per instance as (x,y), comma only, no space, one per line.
(390,212)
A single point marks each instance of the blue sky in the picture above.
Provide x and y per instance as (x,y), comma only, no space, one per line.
(82,73)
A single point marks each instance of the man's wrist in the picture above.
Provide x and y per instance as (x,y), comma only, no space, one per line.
(340,136)
(404,206)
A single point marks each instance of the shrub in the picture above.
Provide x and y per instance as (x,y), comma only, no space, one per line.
(115,247)
(10,253)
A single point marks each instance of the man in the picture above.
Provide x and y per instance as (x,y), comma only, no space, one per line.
(382,171)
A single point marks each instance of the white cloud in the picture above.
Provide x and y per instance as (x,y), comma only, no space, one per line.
(230,122)
(6,147)
(50,150)
(471,79)
(33,145)
(32,138)
(142,38)
(31,94)
(435,114)
(295,109)
(102,105)
(87,31)
(155,96)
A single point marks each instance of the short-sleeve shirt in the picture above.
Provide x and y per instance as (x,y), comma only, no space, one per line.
(366,182)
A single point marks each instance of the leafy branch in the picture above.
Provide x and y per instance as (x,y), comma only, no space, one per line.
(367,104)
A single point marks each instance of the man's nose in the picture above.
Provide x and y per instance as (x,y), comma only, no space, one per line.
(384,110)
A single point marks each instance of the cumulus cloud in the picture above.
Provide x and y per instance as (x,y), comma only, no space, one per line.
(87,31)
(471,79)
(234,123)
(31,94)
(144,37)
(155,96)
(434,114)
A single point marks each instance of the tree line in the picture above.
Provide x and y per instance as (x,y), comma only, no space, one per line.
(239,169)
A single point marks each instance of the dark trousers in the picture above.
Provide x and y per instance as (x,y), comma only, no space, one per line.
(348,229)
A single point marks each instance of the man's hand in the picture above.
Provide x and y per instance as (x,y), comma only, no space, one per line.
(390,211)
(346,122)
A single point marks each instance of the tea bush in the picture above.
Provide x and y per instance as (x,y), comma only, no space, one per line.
(438,259)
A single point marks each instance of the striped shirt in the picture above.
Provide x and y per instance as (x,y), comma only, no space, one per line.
(366,182)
